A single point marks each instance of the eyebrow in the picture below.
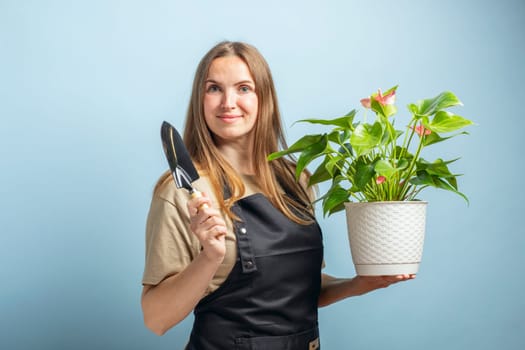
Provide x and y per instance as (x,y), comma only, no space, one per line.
(237,83)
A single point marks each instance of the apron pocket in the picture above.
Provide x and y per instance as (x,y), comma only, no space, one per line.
(306,340)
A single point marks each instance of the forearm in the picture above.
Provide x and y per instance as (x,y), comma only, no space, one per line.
(169,302)
(334,289)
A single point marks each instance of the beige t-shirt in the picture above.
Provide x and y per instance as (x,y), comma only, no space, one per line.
(170,245)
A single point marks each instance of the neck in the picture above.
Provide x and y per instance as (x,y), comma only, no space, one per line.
(239,156)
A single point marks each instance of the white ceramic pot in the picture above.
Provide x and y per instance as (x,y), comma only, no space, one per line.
(386,238)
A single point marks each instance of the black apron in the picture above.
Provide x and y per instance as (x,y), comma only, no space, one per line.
(269,300)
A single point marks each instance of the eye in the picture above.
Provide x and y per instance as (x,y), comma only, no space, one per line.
(245,88)
(212,88)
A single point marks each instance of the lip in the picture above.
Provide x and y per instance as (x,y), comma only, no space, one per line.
(229,118)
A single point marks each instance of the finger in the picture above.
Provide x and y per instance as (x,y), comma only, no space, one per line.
(205,221)
(215,233)
(209,217)
(406,277)
(210,221)
(385,281)
(195,206)
(219,231)
(400,278)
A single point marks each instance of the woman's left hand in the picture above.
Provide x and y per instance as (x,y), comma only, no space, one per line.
(365,284)
(335,289)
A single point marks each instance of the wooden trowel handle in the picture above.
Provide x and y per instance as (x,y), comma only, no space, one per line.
(196,194)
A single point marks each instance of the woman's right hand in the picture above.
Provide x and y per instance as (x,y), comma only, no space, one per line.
(208,225)
(169,302)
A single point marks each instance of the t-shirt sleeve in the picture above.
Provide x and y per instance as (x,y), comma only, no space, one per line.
(170,245)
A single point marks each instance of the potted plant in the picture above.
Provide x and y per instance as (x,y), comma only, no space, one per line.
(377,173)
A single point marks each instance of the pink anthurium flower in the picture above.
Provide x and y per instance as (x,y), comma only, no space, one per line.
(420,130)
(388,99)
(366,102)
(380,179)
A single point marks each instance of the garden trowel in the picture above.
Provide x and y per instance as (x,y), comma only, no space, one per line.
(181,166)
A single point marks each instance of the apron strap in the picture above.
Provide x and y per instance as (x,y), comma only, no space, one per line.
(244,245)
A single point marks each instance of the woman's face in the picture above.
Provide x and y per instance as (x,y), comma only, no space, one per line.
(230,101)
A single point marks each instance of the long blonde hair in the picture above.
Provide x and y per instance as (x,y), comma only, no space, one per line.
(273,177)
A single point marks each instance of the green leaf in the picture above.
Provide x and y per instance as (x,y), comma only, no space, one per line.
(383,167)
(432,138)
(403,153)
(445,121)
(452,181)
(425,179)
(308,154)
(338,207)
(304,142)
(430,106)
(338,136)
(438,167)
(390,134)
(414,109)
(366,137)
(344,136)
(403,163)
(342,122)
(435,138)
(364,173)
(334,199)
(320,174)
(384,110)
(345,150)
(333,165)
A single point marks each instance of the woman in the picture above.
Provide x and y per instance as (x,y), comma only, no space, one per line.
(246,257)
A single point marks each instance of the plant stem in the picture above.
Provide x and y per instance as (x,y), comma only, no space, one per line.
(406,145)
(413,163)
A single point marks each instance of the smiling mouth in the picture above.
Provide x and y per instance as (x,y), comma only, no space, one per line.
(229,117)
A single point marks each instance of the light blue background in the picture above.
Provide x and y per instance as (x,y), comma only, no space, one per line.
(85,85)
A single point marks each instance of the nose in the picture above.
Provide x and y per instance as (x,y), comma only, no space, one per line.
(228,99)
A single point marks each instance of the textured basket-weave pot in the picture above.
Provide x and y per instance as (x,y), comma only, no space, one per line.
(386,238)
